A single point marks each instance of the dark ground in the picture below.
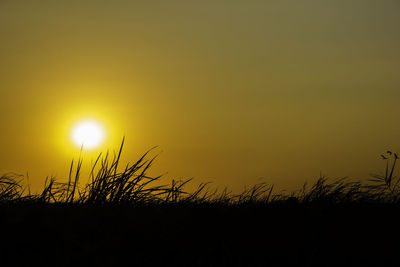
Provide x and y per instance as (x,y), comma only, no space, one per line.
(287,234)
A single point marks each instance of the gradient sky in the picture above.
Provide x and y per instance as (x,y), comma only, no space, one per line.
(231,91)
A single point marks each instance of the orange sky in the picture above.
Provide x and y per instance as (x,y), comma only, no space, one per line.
(230,91)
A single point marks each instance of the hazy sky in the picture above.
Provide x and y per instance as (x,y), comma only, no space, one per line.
(231,91)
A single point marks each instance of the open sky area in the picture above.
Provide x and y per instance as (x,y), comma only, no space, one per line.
(232,92)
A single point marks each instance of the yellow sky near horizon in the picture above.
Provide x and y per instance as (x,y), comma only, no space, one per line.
(230,91)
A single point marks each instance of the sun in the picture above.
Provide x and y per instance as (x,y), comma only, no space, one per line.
(88,134)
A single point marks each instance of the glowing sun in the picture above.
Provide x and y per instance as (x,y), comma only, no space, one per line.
(88,134)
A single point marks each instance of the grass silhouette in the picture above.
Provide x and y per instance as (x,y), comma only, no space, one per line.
(122,216)
(132,185)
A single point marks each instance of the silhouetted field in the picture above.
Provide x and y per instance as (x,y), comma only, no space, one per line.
(125,218)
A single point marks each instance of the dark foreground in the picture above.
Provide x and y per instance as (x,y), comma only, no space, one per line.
(331,223)
(285,234)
